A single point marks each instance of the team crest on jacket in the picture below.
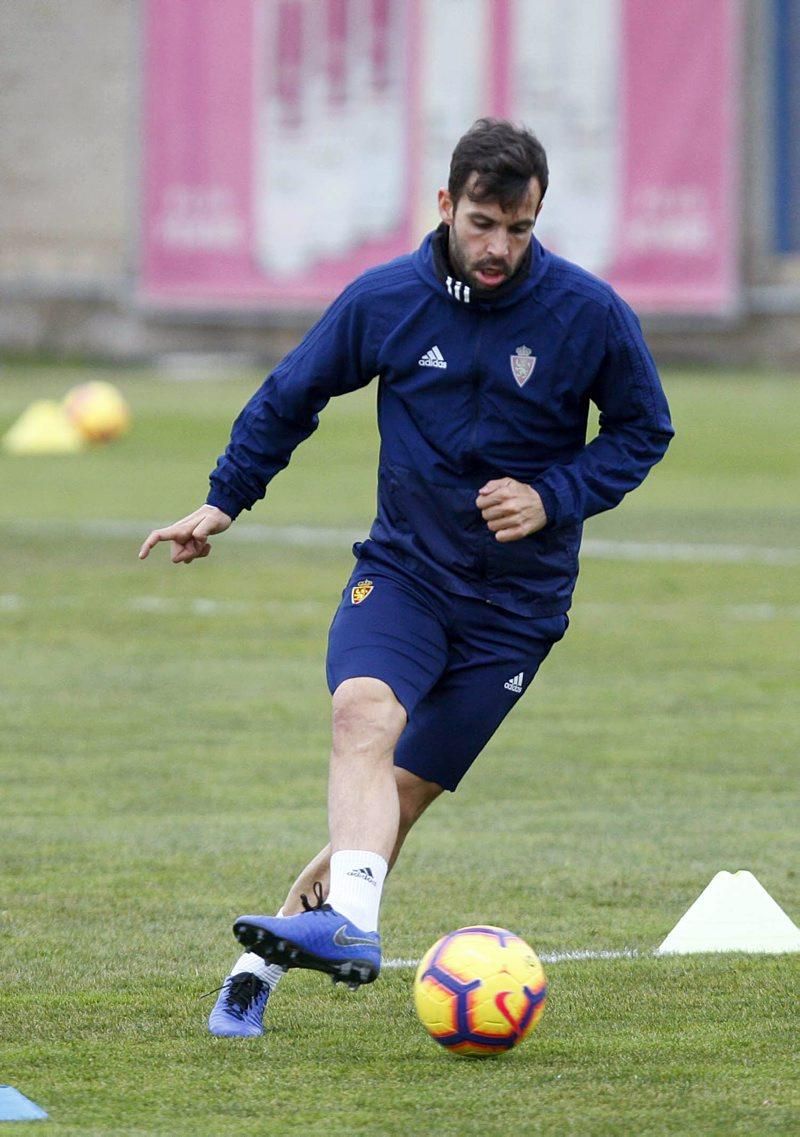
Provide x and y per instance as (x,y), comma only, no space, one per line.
(360,591)
(522,365)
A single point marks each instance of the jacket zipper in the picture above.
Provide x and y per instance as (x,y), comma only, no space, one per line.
(475,375)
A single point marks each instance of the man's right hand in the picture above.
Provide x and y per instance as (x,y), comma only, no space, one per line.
(189,536)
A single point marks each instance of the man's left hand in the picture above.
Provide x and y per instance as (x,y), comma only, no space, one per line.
(511,509)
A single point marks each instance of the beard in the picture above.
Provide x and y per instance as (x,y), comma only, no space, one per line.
(467,273)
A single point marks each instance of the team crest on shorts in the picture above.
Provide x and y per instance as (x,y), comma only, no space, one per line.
(360,591)
(522,365)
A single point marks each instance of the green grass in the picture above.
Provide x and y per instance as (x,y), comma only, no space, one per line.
(163,769)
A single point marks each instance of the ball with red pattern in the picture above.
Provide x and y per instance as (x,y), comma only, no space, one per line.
(480,990)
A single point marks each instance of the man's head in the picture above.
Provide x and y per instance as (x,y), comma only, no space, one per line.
(498,178)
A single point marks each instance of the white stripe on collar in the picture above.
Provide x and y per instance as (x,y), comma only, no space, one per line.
(458,290)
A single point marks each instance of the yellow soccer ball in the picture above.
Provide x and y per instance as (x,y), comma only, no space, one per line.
(480,990)
(98,411)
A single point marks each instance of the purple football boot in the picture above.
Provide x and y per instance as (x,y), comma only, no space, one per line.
(239,1009)
(319,938)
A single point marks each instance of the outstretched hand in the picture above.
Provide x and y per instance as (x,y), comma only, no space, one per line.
(512,510)
(189,536)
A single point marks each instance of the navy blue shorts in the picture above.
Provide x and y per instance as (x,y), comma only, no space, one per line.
(457,665)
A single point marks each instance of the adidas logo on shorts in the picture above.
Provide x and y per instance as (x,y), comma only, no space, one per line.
(515,684)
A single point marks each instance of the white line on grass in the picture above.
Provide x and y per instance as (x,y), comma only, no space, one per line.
(158,606)
(688,553)
(309,536)
(12,602)
(545,957)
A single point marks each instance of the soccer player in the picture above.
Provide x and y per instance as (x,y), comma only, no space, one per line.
(488,351)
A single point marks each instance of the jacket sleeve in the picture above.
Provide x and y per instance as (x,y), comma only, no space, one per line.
(337,355)
(635,429)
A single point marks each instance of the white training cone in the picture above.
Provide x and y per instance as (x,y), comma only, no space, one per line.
(733,913)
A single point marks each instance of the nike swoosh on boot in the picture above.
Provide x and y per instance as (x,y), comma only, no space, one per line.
(341,939)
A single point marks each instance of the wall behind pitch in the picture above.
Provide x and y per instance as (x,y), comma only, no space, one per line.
(67,177)
(70,151)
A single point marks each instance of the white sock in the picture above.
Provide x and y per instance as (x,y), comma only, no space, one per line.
(356,885)
(249,961)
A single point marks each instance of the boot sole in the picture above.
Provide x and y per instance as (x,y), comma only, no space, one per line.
(276,949)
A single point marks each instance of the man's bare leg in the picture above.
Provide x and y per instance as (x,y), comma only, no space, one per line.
(364,824)
(414,795)
(240,1009)
(363,807)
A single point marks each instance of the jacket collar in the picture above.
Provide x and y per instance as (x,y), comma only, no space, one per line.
(434,257)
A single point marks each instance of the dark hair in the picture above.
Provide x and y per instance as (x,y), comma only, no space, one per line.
(505,158)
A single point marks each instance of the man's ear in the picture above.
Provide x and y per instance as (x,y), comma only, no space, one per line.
(445,206)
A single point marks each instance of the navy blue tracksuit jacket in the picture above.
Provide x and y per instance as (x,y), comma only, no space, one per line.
(471,387)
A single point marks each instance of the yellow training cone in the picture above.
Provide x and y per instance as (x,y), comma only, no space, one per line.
(43,428)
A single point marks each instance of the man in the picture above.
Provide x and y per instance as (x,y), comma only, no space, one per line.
(489,350)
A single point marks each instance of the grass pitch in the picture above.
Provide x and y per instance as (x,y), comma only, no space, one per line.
(163,770)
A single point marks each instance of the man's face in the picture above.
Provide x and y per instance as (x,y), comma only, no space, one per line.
(486,243)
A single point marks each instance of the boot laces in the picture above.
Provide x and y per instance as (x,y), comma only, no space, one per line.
(243,990)
(319,897)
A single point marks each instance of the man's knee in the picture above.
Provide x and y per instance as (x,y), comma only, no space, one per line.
(366,715)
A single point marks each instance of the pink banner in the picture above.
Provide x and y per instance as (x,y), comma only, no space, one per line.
(198,126)
(277,147)
(290,144)
(678,228)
